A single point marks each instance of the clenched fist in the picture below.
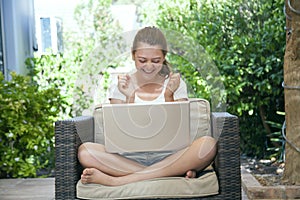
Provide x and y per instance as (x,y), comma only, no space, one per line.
(173,84)
(127,85)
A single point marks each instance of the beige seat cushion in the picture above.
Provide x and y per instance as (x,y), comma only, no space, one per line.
(171,187)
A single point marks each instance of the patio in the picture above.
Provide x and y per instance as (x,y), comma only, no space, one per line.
(27,189)
(35,189)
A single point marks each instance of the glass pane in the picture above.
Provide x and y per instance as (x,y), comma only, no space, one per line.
(46,32)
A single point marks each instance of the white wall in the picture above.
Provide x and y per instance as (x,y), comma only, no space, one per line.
(63,9)
(18,34)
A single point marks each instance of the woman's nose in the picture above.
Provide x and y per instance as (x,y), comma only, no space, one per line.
(149,64)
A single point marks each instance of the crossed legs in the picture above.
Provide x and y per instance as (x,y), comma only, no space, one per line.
(112,169)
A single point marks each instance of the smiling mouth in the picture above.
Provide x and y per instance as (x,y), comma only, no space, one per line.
(148,71)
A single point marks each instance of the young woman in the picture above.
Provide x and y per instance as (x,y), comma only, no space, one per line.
(153,81)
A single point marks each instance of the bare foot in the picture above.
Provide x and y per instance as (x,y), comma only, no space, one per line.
(92,175)
(191,174)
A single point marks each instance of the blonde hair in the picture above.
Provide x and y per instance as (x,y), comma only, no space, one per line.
(153,36)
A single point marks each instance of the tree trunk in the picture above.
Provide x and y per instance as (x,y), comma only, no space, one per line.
(292,93)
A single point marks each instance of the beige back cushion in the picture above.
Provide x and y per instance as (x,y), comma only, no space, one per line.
(199,120)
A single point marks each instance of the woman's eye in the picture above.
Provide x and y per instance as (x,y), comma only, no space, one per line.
(155,61)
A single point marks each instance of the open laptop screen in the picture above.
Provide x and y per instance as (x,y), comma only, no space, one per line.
(146,127)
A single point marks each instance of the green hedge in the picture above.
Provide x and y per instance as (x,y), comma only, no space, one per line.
(246,40)
(27,126)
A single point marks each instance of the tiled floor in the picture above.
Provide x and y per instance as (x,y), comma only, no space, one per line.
(33,189)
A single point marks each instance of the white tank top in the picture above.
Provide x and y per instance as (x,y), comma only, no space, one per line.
(160,98)
(180,93)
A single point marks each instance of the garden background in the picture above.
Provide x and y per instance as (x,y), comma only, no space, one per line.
(244,39)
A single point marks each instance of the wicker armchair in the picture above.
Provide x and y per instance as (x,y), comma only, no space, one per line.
(68,170)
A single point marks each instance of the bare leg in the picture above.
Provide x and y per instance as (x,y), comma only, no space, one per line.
(196,157)
(92,155)
(94,158)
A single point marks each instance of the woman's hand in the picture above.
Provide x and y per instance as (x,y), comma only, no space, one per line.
(172,86)
(127,86)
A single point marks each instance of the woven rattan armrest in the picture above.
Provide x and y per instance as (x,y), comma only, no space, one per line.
(67,136)
(225,129)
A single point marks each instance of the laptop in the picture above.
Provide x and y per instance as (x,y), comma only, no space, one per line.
(144,127)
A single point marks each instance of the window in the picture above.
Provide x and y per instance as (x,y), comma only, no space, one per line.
(49,34)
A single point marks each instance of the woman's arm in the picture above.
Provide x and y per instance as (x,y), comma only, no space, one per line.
(170,98)
(116,101)
(122,90)
(183,99)
(176,89)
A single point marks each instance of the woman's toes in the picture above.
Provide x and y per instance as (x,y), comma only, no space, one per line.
(86,175)
(83,179)
(87,171)
(190,174)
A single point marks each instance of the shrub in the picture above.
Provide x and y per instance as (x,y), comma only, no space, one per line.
(246,40)
(27,126)
(54,71)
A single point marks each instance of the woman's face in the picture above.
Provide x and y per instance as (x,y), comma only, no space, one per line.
(148,60)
